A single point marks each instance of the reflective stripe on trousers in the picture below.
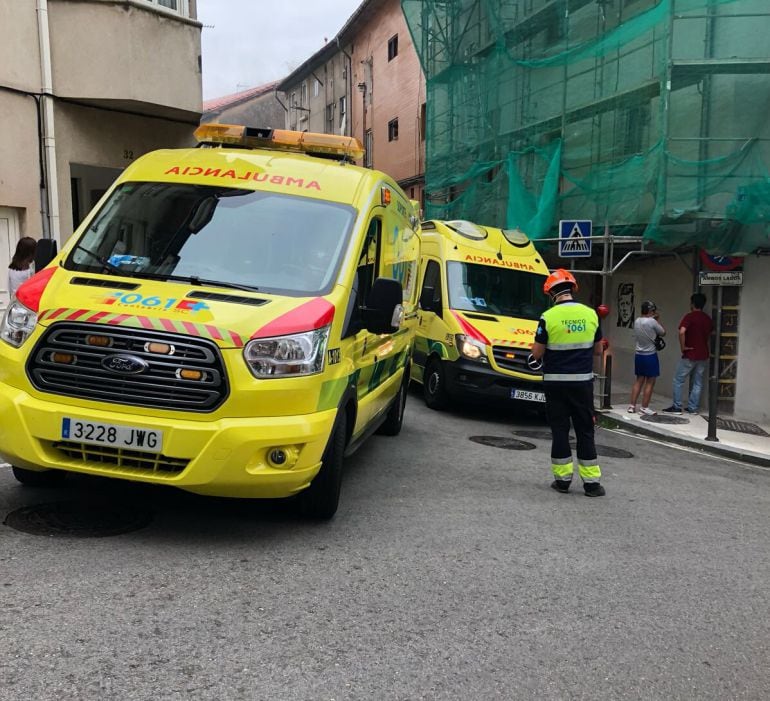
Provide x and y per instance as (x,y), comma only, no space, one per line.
(590,472)
(562,468)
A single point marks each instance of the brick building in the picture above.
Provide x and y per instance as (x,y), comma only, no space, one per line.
(367,82)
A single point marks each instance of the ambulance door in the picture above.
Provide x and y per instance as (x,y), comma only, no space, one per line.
(366,345)
(433,333)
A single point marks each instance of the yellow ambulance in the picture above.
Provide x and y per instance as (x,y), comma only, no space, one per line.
(230,319)
(481,297)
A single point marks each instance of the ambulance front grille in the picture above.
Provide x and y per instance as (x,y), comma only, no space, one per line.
(514,360)
(130,461)
(157,385)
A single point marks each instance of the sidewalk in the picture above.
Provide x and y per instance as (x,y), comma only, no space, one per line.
(686,430)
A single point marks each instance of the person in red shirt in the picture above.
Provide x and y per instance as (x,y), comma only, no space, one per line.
(695,330)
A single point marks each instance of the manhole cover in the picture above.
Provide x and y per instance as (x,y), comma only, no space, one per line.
(665,419)
(739,426)
(503,442)
(79,519)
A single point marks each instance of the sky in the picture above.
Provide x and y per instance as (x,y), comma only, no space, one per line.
(246,43)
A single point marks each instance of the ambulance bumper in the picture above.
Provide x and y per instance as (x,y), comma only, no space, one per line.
(229,457)
(467,379)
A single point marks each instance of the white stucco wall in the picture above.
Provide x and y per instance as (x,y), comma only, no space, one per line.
(668,282)
(753,387)
(91,137)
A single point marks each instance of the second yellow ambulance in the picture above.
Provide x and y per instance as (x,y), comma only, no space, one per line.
(480,301)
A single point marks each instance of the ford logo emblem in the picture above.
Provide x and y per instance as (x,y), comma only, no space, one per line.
(125,364)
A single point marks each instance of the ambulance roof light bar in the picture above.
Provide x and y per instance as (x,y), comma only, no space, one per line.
(342,147)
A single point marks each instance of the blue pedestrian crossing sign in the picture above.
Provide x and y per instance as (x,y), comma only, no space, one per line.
(575,238)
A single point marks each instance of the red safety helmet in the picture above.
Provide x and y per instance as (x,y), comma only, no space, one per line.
(559,277)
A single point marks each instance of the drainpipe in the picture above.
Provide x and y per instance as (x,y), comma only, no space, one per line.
(51,198)
(348,91)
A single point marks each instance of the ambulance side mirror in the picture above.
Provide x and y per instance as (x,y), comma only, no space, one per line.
(383,311)
(45,251)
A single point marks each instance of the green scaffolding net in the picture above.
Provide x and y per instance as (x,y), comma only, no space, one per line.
(647,116)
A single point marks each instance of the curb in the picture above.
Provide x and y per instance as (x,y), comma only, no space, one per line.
(609,422)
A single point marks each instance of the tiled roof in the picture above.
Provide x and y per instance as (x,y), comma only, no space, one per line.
(218,103)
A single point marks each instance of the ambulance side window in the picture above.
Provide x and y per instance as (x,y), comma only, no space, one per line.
(368,262)
(432,279)
(366,273)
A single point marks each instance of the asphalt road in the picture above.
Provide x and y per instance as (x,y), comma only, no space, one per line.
(451,571)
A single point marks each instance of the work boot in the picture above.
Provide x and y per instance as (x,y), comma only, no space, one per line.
(594,489)
(561,486)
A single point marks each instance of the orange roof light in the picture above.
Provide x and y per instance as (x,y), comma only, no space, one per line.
(386,196)
(346,147)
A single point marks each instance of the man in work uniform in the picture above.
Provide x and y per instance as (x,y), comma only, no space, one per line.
(566,340)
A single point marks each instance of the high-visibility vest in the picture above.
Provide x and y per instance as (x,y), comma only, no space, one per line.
(572,332)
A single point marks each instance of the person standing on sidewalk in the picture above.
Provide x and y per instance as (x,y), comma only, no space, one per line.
(646,363)
(567,338)
(695,330)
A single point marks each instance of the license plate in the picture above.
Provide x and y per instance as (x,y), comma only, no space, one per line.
(94,433)
(527,396)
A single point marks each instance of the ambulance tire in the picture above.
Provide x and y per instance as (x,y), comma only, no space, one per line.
(320,500)
(434,385)
(394,419)
(31,478)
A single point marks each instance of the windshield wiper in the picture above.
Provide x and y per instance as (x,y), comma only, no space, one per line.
(193,280)
(102,261)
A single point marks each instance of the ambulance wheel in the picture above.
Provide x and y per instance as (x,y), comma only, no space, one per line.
(395,417)
(434,385)
(321,498)
(31,478)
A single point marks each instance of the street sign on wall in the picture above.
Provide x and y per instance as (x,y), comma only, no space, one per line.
(720,263)
(732,278)
(575,238)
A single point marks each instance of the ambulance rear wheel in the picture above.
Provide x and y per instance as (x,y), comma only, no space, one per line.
(434,385)
(321,498)
(31,478)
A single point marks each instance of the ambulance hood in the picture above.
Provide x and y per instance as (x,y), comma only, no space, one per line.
(229,317)
(497,330)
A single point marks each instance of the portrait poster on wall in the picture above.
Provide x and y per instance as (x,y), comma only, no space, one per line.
(626,304)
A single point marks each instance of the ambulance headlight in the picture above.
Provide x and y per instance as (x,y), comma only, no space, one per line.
(18,323)
(287,356)
(471,349)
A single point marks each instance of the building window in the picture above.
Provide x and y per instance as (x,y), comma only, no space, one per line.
(554,31)
(330,118)
(303,95)
(316,87)
(343,111)
(368,148)
(632,130)
(393,130)
(181,7)
(423,121)
(392,47)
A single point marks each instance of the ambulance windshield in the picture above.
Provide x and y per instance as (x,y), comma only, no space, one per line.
(499,291)
(216,235)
